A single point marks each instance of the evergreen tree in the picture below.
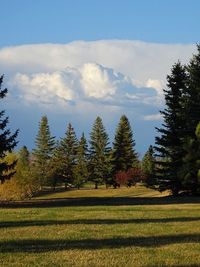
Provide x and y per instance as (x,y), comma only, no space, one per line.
(66,156)
(124,155)
(23,158)
(42,154)
(26,183)
(99,150)
(190,173)
(191,113)
(7,141)
(55,167)
(148,167)
(192,95)
(169,143)
(81,169)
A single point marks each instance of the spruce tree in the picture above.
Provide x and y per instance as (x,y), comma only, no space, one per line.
(124,155)
(148,167)
(81,169)
(42,154)
(66,156)
(169,143)
(192,95)
(191,112)
(99,151)
(7,141)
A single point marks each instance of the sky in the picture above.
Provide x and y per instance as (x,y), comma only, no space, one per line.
(75,60)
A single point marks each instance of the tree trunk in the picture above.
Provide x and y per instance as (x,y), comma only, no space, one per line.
(65,186)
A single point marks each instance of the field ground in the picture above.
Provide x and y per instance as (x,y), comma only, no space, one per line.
(104,227)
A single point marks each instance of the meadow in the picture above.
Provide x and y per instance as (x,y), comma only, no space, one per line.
(104,227)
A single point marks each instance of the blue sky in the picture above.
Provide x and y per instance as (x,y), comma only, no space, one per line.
(75,60)
(61,21)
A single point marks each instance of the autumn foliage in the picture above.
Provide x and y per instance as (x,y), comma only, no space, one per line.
(130,177)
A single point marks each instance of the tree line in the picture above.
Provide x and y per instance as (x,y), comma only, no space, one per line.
(72,162)
(173,163)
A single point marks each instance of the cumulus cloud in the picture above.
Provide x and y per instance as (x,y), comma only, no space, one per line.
(47,87)
(99,82)
(89,82)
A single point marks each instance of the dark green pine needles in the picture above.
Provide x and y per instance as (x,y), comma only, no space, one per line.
(43,152)
(124,155)
(99,153)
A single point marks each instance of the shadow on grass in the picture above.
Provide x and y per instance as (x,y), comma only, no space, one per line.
(99,201)
(27,223)
(182,265)
(43,245)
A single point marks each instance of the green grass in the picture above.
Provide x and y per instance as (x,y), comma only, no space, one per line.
(130,231)
(137,191)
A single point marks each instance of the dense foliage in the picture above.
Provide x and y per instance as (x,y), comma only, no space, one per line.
(175,168)
(7,142)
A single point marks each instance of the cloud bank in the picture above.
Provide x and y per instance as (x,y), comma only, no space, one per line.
(110,71)
(90,82)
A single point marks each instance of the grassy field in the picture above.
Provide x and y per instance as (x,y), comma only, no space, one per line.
(122,227)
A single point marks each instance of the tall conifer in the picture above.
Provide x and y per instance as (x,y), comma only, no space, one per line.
(81,169)
(169,143)
(99,151)
(42,154)
(66,156)
(124,155)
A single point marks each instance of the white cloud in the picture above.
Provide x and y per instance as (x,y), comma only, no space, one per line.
(99,82)
(157,84)
(43,86)
(64,71)
(89,82)
(139,60)
(153,117)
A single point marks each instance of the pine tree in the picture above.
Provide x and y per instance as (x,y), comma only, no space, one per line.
(7,141)
(66,156)
(42,154)
(124,155)
(148,167)
(99,151)
(169,143)
(81,169)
